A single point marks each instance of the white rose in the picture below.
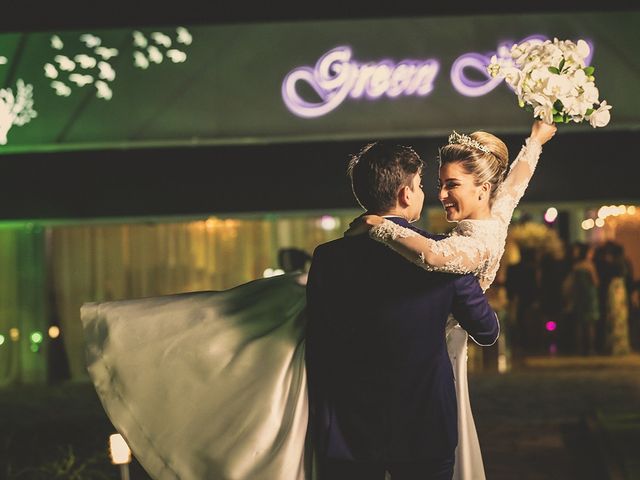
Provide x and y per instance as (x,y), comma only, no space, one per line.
(601,116)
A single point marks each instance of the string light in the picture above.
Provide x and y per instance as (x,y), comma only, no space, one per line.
(37,337)
(588,224)
(551,214)
(54,332)
(14,334)
(606,211)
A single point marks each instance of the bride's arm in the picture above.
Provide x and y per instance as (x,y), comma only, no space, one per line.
(512,189)
(454,254)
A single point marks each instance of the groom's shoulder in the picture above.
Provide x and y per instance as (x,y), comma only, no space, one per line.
(329,248)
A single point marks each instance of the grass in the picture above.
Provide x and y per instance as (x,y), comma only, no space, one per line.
(55,432)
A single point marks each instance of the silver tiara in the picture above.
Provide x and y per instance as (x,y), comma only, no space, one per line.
(462,139)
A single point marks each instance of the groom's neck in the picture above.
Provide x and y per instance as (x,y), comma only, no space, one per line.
(394,212)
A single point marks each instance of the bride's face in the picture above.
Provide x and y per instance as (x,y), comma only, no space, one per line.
(458,192)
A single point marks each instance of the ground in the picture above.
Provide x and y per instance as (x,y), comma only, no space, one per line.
(548,418)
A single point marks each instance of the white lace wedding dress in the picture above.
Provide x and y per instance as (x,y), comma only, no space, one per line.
(212,385)
(474,246)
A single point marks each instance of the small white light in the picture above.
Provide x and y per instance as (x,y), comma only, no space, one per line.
(551,214)
(631,210)
(327,222)
(119,450)
(588,224)
(1,339)
(603,212)
(599,222)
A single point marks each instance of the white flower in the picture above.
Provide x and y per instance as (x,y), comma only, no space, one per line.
(494,67)
(544,112)
(557,86)
(540,99)
(589,93)
(512,76)
(583,49)
(579,78)
(545,73)
(601,116)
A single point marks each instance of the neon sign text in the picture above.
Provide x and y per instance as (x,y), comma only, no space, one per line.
(336,76)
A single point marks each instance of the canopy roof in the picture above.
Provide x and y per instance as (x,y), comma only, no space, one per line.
(225,84)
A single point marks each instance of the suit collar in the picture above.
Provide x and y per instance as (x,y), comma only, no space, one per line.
(399,220)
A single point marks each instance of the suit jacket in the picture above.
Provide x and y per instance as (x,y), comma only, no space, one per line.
(381,385)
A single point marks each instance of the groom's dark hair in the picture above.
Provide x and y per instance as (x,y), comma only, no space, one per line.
(379,171)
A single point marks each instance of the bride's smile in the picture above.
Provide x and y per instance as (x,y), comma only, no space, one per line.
(459,195)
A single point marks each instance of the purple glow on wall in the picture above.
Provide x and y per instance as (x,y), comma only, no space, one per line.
(479,62)
(335,76)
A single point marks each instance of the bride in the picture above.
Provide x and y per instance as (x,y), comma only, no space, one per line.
(212,385)
(474,193)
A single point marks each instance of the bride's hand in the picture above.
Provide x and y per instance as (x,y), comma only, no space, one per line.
(542,132)
(363,224)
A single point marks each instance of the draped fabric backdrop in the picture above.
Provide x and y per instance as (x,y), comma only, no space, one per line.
(47,273)
(23,305)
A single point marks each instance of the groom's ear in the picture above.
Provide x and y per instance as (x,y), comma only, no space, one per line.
(404,196)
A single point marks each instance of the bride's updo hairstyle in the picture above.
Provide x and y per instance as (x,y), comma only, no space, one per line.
(482,154)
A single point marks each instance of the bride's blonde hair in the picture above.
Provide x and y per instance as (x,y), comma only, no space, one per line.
(482,154)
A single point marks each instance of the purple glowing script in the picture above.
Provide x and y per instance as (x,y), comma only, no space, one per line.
(337,76)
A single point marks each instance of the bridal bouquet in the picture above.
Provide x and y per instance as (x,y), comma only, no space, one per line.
(552,80)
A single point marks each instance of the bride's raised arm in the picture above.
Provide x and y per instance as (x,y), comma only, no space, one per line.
(522,168)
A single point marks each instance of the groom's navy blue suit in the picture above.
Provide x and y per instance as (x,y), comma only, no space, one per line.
(381,384)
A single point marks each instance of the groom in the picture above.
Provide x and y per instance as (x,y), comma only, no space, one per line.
(381,386)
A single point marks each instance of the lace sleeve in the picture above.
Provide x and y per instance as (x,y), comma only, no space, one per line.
(454,254)
(514,186)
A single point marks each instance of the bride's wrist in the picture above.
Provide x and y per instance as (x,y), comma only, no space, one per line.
(533,141)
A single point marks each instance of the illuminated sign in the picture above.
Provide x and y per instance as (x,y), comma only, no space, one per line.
(336,76)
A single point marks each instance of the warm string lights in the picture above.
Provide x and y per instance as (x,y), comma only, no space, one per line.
(36,338)
(605,212)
